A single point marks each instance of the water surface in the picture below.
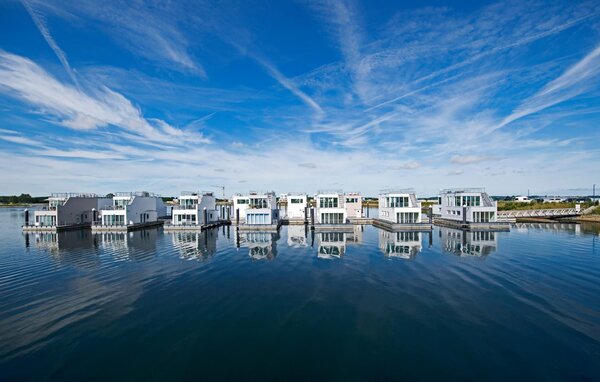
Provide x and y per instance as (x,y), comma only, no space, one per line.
(364,304)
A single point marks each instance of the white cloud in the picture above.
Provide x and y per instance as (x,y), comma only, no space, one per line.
(74,108)
(468,159)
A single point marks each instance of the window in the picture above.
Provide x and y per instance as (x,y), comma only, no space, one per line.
(242,201)
(407,217)
(351,200)
(296,201)
(332,218)
(328,202)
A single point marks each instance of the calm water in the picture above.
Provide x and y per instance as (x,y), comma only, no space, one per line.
(366,304)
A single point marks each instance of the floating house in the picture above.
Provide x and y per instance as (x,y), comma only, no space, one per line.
(195,209)
(401,244)
(297,207)
(337,207)
(255,209)
(399,209)
(399,206)
(131,210)
(66,211)
(464,207)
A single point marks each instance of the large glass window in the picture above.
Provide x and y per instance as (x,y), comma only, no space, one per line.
(328,202)
(351,200)
(296,201)
(332,218)
(407,217)
(258,202)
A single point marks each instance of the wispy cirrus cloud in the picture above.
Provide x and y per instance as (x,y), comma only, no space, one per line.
(77,109)
(148,29)
(40,23)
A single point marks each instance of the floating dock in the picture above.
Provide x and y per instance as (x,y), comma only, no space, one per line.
(126,228)
(389,226)
(54,228)
(489,226)
(194,227)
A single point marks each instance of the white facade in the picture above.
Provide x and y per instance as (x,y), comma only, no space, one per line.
(330,208)
(353,205)
(470,205)
(133,208)
(255,208)
(69,209)
(296,206)
(194,208)
(399,207)
(403,244)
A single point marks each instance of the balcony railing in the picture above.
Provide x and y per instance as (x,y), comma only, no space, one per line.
(462,190)
(397,191)
(137,193)
(330,191)
(65,195)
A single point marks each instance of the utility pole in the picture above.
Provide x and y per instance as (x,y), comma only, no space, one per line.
(222,189)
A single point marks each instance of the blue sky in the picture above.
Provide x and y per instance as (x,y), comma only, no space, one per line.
(298,96)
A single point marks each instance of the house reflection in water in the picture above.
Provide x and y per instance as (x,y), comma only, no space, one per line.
(402,244)
(332,245)
(297,236)
(468,243)
(132,245)
(195,244)
(62,240)
(261,244)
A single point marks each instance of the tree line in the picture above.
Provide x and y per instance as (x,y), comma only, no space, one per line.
(21,199)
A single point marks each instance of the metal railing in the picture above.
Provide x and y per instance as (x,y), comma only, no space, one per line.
(330,192)
(538,213)
(137,193)
(462,190)
(65,195)
(397,191)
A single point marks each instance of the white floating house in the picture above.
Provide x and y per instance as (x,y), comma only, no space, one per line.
(467,205)
(402,244)
(132,208)
(335,207)
(69,209)
(255,208)
(329,207)
(296,206)
(195,208)
(399,207)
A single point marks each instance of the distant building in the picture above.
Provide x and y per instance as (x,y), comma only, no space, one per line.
(553,199)
(522,199)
